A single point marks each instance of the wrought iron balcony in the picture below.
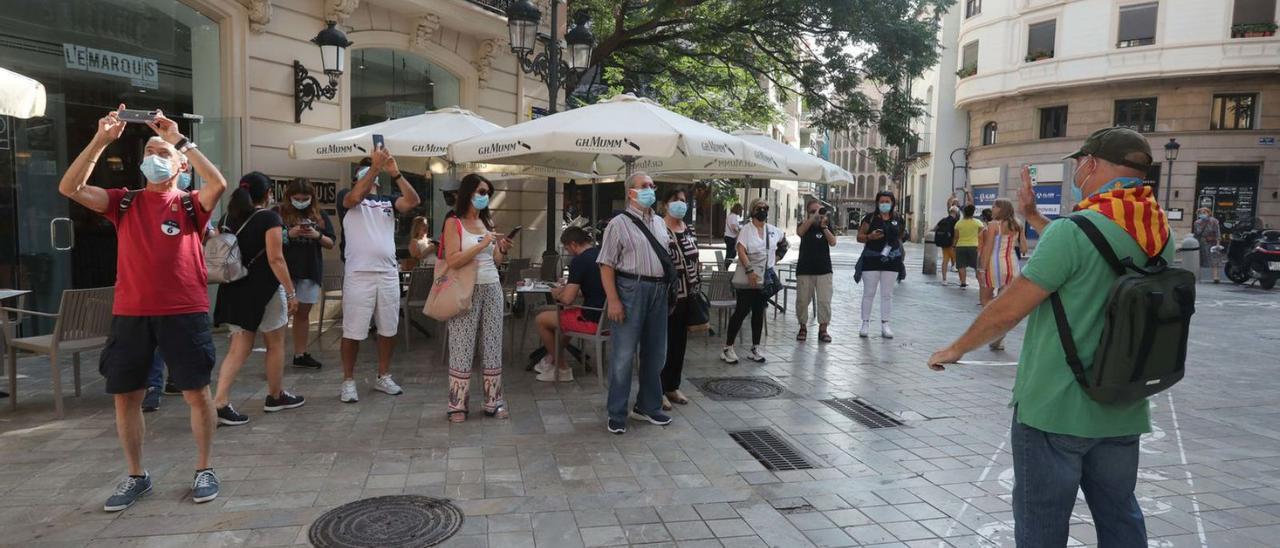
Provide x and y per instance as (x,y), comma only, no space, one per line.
(497,6)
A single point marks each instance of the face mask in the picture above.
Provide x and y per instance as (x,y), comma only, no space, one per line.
(677,209)
(646,197)
(156,169)
(301,204)
(885,208)
(1077,195)
(1203,216)
(184,180)
(760,215)
(480,201)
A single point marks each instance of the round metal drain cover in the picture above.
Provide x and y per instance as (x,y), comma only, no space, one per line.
(396,520)
(741,388)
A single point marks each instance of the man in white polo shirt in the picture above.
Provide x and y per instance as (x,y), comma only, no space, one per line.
(371,281)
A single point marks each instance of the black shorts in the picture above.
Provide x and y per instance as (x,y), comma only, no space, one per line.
(185,344)
(967,257)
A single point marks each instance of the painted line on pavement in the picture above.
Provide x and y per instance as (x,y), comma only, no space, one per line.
(942,543)
(1182,454)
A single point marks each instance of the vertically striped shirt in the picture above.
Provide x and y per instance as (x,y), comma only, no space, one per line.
(627,249)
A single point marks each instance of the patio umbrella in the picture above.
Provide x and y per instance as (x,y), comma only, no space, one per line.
(20,96)
(615,137)
(804,167)
(418,142)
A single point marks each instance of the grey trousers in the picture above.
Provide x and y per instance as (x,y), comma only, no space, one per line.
(809,286)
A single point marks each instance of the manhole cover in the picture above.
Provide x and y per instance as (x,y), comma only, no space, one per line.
(739,388)
(770,450)
(396,520)
(862,413)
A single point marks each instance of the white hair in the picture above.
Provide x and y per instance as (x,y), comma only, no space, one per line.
(182,158)
(634,177)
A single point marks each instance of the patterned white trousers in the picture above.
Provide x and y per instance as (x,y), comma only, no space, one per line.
(478,328)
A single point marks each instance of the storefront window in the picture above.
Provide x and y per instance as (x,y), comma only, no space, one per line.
(92,55)
(387,84)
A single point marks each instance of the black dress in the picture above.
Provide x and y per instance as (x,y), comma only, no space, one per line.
(304,256)
(242,303)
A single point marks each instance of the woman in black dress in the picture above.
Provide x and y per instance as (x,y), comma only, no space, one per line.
(684,254)
(881,262)
(260,302)
(308,232)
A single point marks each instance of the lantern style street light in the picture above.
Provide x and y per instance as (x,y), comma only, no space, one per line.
(550,66)
(306,89)
(1170,155)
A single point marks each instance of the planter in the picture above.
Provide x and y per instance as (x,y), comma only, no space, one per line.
(1253,30)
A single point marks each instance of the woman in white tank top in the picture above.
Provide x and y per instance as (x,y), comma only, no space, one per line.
(476,335)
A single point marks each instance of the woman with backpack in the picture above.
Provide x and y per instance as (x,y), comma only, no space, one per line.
(469,239)
(944,236)
(260,302)
(998,262)
(308,232)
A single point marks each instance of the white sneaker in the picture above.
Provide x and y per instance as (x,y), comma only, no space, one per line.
(885,331)
(728,355)
(863,332)
(349,394)
(543,365)
(555,374)
(385,384)
(755,355)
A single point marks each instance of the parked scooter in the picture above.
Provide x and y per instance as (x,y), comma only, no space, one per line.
(1253,254)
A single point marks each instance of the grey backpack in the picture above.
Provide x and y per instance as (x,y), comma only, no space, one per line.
(1144,336)
(222,257)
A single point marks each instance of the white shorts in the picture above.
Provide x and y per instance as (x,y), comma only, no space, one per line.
(308,291)
(366,296)
(275,316)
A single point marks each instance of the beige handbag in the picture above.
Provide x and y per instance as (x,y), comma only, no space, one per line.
(452,289)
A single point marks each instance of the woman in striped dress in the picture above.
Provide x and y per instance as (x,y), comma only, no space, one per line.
(998,261)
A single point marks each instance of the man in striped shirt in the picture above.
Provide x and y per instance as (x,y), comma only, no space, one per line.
(635,278)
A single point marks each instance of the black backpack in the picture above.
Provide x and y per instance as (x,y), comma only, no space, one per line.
(187,205)
(1144,336)
(944,232)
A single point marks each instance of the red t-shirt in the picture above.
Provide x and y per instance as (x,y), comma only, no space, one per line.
(160,260)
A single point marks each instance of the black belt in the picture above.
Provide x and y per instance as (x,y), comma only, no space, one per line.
(653,279)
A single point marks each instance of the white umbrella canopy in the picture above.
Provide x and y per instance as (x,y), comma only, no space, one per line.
(417,142)
(803,166)
(615,136)
(20,96)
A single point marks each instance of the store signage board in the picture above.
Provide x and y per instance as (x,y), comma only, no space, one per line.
(1267,141)
(141,71)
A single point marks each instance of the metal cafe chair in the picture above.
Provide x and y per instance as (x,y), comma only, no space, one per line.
(82,324)
(597,341)
(330,288)
(420,280)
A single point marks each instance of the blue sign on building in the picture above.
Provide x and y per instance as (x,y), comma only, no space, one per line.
(1049,202)
(985,196)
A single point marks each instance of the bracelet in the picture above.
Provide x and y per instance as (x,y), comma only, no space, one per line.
(290,296)
(396,176)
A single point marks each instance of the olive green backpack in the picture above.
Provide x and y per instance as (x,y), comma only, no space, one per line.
(1144,336)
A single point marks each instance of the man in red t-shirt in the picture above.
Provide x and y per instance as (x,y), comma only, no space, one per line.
(161,298)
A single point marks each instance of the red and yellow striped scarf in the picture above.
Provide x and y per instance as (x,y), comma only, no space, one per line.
(1136,210)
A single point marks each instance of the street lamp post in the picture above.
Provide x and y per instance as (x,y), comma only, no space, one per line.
(306,88)
(549,66)
(1170,154)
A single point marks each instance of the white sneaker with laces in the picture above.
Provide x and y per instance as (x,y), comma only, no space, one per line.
(755,355)
(349,394)
(543,365)
(885,331)
(386,385)
(555,374)
(728,355)
(863,332)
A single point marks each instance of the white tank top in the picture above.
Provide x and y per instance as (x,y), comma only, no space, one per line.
(486,270)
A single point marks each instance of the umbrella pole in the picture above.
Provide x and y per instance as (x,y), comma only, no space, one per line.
(594,203)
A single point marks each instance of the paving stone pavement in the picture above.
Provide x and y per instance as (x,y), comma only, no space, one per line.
(552,477)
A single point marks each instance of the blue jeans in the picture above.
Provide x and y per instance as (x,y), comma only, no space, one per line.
(1050,468)
(155,377)
(644,328)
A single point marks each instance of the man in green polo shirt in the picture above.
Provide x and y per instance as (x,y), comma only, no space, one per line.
(1062,440)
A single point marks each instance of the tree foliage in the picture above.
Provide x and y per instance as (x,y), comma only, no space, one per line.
(719,60)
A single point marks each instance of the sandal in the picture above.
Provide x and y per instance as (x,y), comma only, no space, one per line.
(457,416)
(498,412)
(666,404)
(676,396)
(803,334)
(824,336)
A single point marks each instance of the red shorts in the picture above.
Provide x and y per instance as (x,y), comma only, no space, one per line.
(572,320)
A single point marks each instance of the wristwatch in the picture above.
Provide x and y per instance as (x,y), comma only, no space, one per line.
(184,145)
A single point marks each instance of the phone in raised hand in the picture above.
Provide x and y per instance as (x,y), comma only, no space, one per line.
(514,231)
(136,116)
(379,141)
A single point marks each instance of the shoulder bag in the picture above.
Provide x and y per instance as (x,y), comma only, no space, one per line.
(452,288)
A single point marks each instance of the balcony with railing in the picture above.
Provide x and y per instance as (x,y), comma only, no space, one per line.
(497,6)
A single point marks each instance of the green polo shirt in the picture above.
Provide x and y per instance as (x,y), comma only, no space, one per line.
(1047,395)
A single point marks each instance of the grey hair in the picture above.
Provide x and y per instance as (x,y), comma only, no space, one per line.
(182,158)
(631,180)
(954,210)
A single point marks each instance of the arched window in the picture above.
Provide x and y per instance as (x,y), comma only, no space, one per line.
(388,83)
(862,185)
(884,182)
(989,133)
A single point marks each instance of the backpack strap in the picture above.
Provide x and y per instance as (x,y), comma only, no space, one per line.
(126,201)
(1068,343)
(664,255)
(189,206)
(1099,242)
